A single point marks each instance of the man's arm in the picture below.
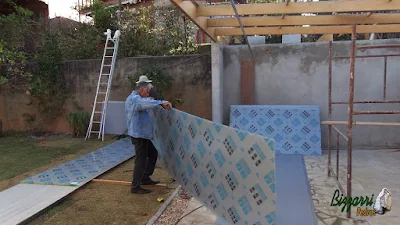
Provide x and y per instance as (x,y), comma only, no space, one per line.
(145,103)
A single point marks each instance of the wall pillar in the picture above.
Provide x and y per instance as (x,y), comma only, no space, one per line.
(217,71)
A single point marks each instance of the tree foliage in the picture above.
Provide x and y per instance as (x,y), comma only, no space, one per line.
(17,27)
(152,30)
(48,86)
(13,71)
(104,17)
(145,31)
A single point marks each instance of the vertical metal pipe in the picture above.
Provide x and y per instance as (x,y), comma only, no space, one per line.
(329,106)
(337,156)
(350,114)
(79,10)
(384,78)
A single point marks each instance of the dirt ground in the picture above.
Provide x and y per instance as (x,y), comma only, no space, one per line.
(98,203)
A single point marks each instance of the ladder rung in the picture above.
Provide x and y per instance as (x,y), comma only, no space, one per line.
(109,47)
(97,112)
(96,121)
(105,74)
(106,65)
(99,102)
(96,132)
(108,56)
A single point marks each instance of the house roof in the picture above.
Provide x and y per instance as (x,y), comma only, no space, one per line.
(35,5)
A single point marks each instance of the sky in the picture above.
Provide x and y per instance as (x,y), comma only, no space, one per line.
(62,8)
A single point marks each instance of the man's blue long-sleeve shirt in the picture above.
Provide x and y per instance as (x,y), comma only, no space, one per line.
(139,122)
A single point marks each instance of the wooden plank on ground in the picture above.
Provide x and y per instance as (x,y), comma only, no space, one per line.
(125,183)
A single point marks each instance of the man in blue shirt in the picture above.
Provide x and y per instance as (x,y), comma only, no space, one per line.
(140,129)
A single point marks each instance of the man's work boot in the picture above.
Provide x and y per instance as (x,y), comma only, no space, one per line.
(149,182)
(140,190)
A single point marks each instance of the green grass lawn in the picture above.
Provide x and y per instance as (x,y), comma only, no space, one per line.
(19,154)
(94,203)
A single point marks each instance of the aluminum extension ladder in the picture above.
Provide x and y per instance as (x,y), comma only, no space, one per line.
(98,118)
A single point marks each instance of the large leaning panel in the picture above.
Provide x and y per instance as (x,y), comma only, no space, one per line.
(231,171)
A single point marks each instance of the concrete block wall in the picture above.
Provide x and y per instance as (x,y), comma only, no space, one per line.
(192,84)
(298,74)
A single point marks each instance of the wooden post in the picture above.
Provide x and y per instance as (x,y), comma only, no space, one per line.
(247,82)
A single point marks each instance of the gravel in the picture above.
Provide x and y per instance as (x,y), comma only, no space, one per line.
(175,209)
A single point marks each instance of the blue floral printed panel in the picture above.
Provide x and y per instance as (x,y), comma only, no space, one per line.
(232,172)
(296,129)
(83,169)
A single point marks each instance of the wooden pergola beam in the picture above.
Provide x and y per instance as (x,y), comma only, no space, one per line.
(300,7)
(308,30)
(306,20)
(189,8)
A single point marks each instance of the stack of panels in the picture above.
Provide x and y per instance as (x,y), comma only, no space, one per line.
(296,129)
(83,169)
(231,171)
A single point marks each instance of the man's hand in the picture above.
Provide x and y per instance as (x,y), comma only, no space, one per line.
(167,105)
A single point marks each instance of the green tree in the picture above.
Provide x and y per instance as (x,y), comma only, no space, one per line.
(104,17)
(86,42)
(16,27)
(145,31)
(13,71)
(48,86)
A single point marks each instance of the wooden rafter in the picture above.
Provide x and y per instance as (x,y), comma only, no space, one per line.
(300,7)
(308,30)
(190,8)
(285,18)
(306,20)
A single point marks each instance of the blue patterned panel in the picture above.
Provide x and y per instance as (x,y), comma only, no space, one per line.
(296,129)
(223,167)
(83,169)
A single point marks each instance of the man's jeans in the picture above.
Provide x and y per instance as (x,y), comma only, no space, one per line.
(145,162)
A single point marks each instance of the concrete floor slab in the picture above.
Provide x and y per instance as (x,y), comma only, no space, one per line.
(372,171)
